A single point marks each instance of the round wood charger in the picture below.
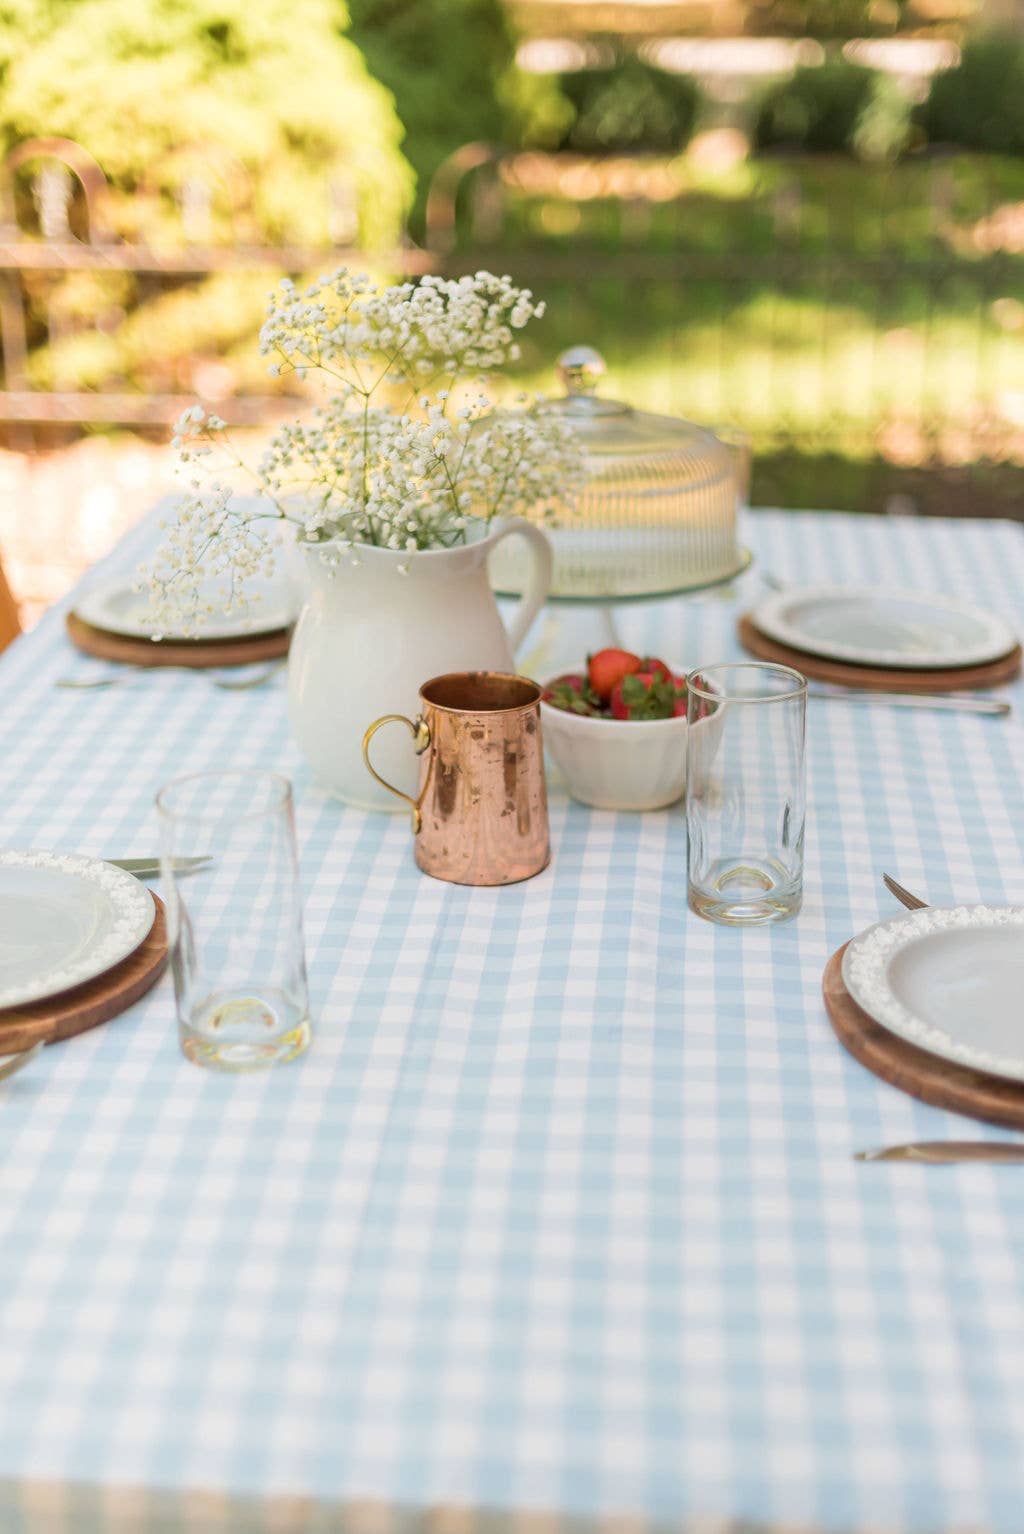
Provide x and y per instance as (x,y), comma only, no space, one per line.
(939,1082)
(96,1001)
(198,653)
(877,678)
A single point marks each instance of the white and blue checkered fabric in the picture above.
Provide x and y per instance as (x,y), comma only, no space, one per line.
(556,1227)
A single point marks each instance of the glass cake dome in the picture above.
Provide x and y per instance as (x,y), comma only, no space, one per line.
(657,515)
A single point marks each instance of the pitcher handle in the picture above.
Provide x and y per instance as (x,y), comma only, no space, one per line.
(420,732)
(538,581)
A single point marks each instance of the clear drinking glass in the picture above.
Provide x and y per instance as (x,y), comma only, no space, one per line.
(745,792)
(235,921)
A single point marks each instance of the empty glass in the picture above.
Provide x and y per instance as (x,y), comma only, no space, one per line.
(235,920)
(745,792)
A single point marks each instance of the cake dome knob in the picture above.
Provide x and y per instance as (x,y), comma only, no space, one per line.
(580,369)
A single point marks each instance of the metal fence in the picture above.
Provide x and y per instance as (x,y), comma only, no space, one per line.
(873,355)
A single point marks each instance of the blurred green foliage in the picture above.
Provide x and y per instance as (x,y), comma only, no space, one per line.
(285,98)
(450,65)
(824,302)
(761,212)
(826,307)
(980,103)
(259,123)
(885,126)
(629,107)
(827,19)
(833,107)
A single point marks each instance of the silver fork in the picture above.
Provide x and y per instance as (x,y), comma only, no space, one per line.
(912,902)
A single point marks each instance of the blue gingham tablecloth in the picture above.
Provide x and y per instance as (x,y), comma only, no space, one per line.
(556,1227)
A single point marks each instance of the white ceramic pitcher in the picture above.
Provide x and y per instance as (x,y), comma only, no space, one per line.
(369,636)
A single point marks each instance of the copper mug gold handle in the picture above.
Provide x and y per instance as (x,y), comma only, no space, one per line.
(420,732)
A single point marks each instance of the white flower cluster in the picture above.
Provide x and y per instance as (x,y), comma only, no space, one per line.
(433,328)
(359,472)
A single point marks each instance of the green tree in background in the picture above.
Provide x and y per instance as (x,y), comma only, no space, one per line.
(273,84)
(451,66)
(835,107)
(630,107)
(264,103)
(980,103)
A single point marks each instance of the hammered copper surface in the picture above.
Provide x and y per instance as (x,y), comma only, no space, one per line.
(483,798)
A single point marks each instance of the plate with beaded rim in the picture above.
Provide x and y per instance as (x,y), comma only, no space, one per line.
(948,979)
(878,626)
(64,919)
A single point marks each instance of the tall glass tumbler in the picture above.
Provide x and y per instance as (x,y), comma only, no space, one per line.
(235,919)
(745,792)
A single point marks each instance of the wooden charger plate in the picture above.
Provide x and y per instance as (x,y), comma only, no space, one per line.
(877,678)
(199,653)
(96,1001)
(942,1083)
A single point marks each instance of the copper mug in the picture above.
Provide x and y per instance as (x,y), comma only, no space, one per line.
(481,815)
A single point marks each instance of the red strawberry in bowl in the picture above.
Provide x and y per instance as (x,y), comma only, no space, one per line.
(607,667)
(572,693)
(659,668)
(646,695)
(627,752)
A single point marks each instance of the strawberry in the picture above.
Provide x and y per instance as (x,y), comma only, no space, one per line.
(608,667)
(681,697)
(572,693)
(642,695)
(649,663)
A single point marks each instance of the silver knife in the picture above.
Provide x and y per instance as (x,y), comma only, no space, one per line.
(140,867)
(939,1152)
(10,1065)
(946,702)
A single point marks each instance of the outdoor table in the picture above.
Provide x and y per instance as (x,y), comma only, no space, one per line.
(556,1226)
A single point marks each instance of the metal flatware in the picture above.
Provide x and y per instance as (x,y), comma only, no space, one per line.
(945,702)
(912,902)
(89,684)
(946,1152)
(225,683)
(140,867)
(14,1063)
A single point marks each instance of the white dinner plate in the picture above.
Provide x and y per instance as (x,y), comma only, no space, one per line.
(948,979)
(118,608)
(64,919)
(878,626)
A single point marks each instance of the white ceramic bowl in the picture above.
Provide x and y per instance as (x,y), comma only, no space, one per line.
(618,764)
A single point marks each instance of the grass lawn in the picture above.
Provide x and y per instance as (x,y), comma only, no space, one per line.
(862,318)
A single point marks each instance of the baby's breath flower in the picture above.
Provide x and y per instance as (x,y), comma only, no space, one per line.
(360,472)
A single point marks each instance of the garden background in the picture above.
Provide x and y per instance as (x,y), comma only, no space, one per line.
(802,220)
